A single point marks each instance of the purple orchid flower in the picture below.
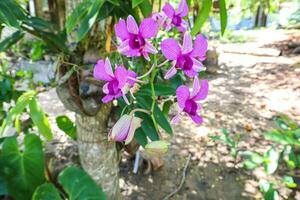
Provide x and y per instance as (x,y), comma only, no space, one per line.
(124,129)
(118,83)
(187,57)
(134,39)
(188,102)
(176,16)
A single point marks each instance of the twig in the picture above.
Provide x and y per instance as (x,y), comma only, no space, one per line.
(182,179)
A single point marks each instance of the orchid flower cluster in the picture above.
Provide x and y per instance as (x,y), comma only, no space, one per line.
(141,41)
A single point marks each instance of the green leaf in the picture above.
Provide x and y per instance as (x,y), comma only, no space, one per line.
(89,20)
(160,90)
(11,13)
(22,102)
(79,185)
(166,107)
(148,126)
(271,160)
(3,187)
(202,16)
(39,119)
(11,40)
(161,120)
(36,51)
(253,159)
(146,103)
(46,191)
(280,138)
(289,181)
(135,3)
(67,126)
(146,8)
(223,15)
(76,16)
(114,2)
(23,171)
(267,189)
(140,137)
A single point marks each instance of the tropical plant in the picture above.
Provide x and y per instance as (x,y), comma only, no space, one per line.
(87,36)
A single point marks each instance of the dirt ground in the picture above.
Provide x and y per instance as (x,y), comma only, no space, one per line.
(245,93)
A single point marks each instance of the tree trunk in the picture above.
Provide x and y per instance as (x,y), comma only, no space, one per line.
(98,156)
(38,8)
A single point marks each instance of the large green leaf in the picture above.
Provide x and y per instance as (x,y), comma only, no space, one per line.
(46,191)
(67,126)
(223,15)
(79,185)
(160,90)
(23,171)
(202,16)
(160,118)
(11,40)
(135,3)
(22,102)
(76,16)
(148,126)
(11,13)
(89,20)
(146,8)
(39,119)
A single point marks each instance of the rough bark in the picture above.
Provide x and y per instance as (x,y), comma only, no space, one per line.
(98,156)
(38,8)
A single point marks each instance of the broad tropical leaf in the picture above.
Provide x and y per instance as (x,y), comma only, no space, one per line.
(79,185)
(23,170)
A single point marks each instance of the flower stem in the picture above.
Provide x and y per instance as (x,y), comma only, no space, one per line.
(140,110)
(153,95)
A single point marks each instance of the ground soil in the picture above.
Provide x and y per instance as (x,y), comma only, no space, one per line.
(246,92)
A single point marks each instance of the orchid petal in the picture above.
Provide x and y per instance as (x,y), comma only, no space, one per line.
(202,92)
(107,98)
(134,124)
(196,87)
(176,118)
(105,88)
(121,76)
(121,30)
(133,75)
(168,10)
(171,72)
(183,8)
(124,47)
(197,65)
(197,119)
(170,49)
(132,26)
(150,48)
(121,128)
(200,46)
(103,71)
(146,55)
(187,46)
(148,28)
(190,73)
(125,99)
(183,94)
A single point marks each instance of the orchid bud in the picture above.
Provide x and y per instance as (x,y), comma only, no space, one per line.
(157,148)
(124,129)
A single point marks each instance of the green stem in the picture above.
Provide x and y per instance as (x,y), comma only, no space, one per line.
(154,71)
